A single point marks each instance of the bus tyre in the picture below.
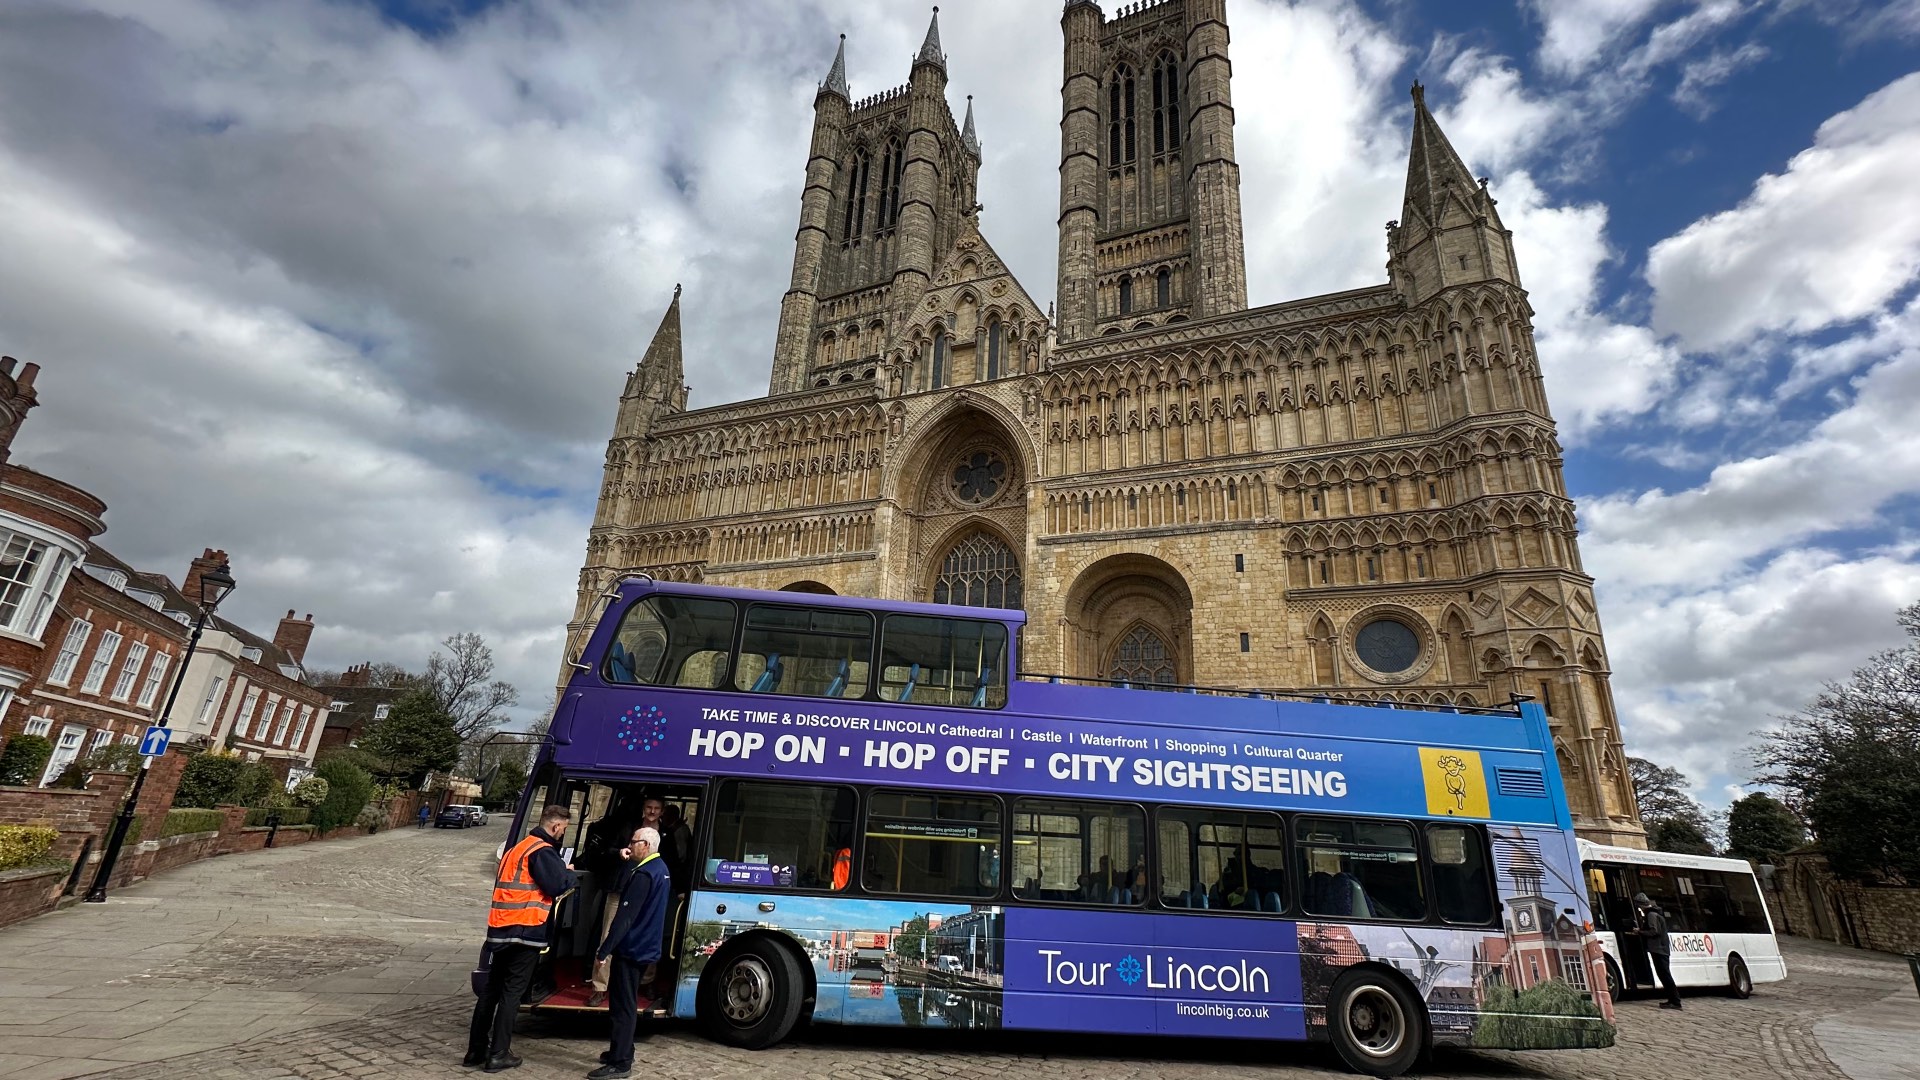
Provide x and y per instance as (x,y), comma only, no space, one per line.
(1739,979)
(1376,1024)
(1616,986)
(751,998)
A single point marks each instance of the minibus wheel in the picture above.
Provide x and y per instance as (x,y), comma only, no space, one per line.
(1375,1023)
(751,996)
(1739,979)
(1616,986)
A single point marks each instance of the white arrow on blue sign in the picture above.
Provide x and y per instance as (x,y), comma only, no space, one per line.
(154,742)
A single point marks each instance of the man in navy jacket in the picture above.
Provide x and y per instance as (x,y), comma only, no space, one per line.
(633,942)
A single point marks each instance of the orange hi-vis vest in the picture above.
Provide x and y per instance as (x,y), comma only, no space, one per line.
(519,908)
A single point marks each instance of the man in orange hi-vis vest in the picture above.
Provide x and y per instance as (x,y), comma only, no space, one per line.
(530,878)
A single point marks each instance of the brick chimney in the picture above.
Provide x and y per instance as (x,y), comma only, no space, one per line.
(356,676)
(209,560)
(294,634)
(16,397)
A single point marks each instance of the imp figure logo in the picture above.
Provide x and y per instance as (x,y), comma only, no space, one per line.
(1128,969)
(641,728)
(1456,770)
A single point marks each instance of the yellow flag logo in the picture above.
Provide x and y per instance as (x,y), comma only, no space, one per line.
(1456,784)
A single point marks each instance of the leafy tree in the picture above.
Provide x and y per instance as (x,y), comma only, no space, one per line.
(416,737)
(257,784)
(348,789)
(461,681)
(1680,836)
(1760,829)
(23,759)
(508,781)
(1849,763)
(1668,811)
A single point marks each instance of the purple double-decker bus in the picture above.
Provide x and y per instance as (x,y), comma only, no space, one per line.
(871,819)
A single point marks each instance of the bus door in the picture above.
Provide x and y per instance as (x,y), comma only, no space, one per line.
(1613,908)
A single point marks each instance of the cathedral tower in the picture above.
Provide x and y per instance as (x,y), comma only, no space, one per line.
(1150,228)
(889,180)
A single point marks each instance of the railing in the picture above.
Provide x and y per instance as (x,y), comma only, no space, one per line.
(1512,708)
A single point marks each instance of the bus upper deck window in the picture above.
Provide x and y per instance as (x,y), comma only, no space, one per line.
(814,652)
(954,662)
(671,641)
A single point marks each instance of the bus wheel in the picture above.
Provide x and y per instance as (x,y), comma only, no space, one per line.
(1616,986)
(1739,979)
(1375,1024)
(752,998)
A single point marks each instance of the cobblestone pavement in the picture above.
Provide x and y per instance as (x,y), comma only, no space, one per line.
(369,940)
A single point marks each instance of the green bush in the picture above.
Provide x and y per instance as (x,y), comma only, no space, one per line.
(179,822)
(349,787)
(208,780)
(23,759)
(310,792)
(289,816)
(257,784)
(25,845)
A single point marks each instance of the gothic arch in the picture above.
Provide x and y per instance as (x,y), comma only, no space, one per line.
(1116,596)
(813,587)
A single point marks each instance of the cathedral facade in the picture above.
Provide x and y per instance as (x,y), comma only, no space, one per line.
(1355,495)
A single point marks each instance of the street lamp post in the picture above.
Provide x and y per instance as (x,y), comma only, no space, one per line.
(214,587)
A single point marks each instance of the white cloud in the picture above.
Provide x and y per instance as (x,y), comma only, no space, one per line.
(1699,77)
(1576,35)
(1830,240)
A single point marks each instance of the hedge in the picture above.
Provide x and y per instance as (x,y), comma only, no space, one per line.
(23,759)
(179,822)
(349,788)
(25,845)
(289,816)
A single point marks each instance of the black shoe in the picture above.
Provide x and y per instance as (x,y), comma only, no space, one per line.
(609,1072)
(606,1057)
(473,1060)
(1670,1005)
(502,1063)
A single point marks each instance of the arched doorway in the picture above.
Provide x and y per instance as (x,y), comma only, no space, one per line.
(1130,618)
(979,570)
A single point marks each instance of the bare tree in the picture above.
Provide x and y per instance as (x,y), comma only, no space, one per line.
(461,679)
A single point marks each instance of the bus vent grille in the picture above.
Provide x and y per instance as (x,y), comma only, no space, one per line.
(1529,783)
(1518,856)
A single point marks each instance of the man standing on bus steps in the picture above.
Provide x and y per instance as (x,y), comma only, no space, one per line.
(530,878)
(1653,931)
(633,943)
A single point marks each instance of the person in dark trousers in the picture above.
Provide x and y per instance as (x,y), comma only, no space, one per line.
(1653,931)
(425,813)
(634,945)
(530,879)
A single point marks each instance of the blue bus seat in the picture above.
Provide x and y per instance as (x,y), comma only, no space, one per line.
(913,677)
(839,683)
(769,680)
(620,665)
(980,688)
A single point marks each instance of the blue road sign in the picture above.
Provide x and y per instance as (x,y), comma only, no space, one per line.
(154,742)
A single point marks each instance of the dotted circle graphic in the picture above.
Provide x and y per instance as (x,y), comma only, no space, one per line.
(641,728)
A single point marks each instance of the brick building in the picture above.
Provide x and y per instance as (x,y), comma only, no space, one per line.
(1356,494)
(243,691)
(357,698)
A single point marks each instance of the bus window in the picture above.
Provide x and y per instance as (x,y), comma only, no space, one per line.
(671,641)
(1089,853)
(927,661)
(1658,883)
(810,652)
(1359,869)
(928,844)
(782,835)
(1730,903)
(1462,888)
(1237,862)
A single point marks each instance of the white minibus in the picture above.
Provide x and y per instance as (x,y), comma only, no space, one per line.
(1719,929)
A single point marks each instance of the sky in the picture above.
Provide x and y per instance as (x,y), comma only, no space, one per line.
(350,289)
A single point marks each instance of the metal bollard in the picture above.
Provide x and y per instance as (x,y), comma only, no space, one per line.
(1913,962)
(273,826)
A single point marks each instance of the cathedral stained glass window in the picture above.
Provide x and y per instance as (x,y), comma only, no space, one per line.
(1142,658)
(979,571)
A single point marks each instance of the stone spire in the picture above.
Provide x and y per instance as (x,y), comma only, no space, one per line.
(659,377)
(930,52)
(968,137)
(837,74)
(1432,164)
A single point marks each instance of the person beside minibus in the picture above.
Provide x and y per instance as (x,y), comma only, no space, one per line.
(1653,931)
(531,877)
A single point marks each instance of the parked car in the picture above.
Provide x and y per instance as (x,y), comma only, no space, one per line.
(453,817)
(475,815)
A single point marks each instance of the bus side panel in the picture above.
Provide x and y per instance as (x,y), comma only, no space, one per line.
(1079,970)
